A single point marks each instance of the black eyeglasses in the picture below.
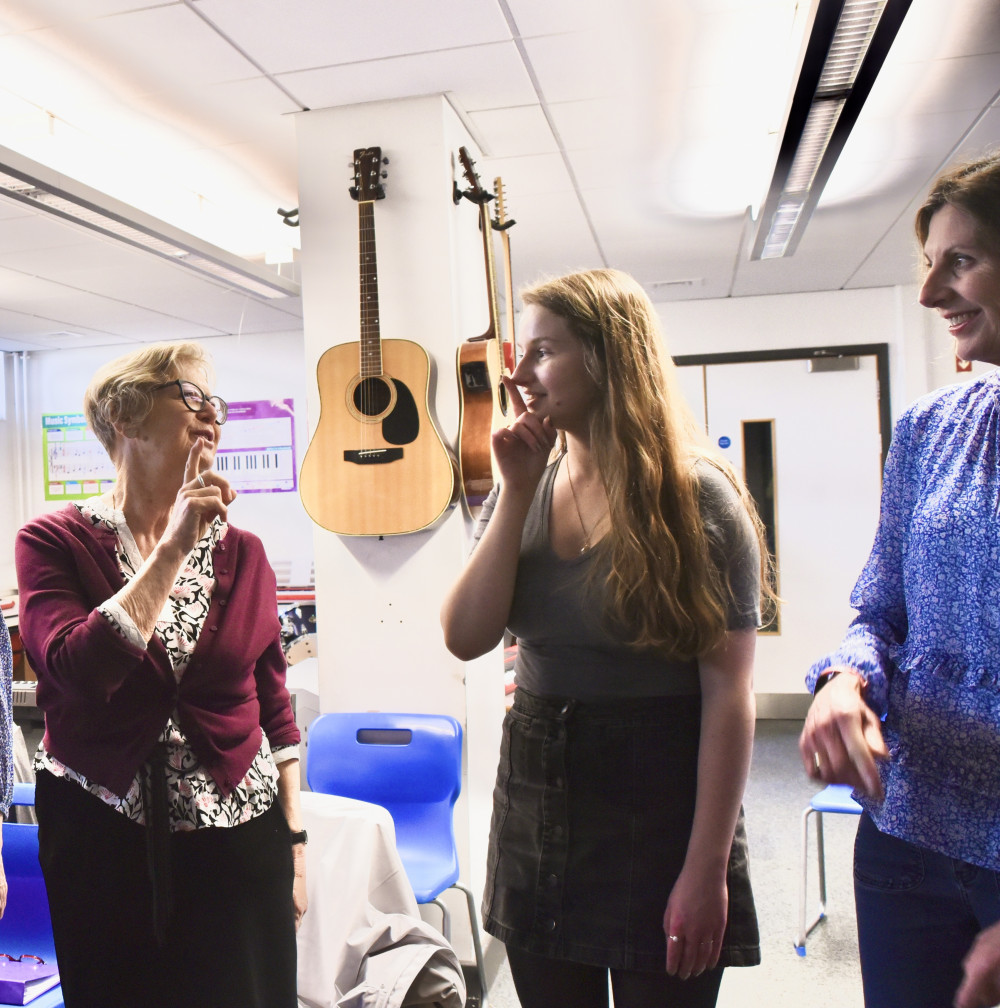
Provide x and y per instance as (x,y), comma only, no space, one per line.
(195,399)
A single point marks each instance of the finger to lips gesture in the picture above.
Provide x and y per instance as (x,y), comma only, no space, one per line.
(522,448)
(204,496)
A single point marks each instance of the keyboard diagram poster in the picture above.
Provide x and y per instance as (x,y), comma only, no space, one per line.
(256,453)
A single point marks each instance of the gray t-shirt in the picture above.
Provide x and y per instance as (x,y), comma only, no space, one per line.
(564,646)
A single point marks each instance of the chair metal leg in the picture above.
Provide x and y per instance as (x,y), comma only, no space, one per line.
(805,929)
(477,944)
(445,918)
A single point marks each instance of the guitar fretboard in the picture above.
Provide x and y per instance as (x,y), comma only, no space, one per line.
(371,340)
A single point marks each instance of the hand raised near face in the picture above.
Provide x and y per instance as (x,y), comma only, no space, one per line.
(204,496)
(522,448)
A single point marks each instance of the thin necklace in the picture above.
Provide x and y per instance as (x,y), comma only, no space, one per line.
(576,504)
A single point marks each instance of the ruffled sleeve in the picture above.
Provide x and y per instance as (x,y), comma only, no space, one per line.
(881,624)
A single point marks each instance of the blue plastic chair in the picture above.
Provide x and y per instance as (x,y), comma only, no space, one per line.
(833,798)
(25,928)
(410,764)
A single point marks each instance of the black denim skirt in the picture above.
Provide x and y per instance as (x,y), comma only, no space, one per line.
(592,812)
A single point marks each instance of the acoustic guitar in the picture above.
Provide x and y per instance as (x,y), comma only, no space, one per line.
(483,398)
(376,464)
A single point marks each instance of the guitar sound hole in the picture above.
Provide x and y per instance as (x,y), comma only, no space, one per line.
(372,397)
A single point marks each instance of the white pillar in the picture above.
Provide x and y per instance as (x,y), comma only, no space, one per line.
(380,645)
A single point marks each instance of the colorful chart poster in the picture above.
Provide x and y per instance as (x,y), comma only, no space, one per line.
(76,465)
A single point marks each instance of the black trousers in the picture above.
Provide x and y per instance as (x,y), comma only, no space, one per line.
(230,942)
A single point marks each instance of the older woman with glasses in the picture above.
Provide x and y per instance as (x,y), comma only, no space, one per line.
(167,778)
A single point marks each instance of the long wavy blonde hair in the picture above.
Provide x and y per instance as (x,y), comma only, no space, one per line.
(663,587)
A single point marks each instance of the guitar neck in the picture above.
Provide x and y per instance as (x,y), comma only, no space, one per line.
(508,338)
(493,331)
(371,339)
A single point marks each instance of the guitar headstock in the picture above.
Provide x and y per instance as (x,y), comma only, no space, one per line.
(476,193)
(368,171)
(500,221)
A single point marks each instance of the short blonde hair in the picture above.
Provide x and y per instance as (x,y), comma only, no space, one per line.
(120,394)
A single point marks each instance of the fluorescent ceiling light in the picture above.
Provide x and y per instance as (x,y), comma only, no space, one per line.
(847,46)
(49,192)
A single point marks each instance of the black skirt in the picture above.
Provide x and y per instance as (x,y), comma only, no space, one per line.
(231,938)
(592,812)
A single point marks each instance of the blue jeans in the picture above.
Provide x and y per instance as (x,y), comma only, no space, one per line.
(918,913)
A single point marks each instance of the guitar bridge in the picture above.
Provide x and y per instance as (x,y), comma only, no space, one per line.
(372,456)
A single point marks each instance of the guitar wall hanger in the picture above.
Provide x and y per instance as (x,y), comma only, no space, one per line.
(477,196)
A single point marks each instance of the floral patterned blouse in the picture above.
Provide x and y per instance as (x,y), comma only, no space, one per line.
(195,800)
(927,634)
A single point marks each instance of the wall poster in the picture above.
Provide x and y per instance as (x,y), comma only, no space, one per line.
(76,465)
(256,453)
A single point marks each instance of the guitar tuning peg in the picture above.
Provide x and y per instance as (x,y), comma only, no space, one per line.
(384,174)
(385,160)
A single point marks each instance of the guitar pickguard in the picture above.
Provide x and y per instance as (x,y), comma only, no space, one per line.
(402,425)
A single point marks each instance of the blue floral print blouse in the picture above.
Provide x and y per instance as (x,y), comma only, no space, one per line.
(6,721)
(927,633)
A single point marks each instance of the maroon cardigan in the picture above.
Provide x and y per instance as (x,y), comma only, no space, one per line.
(105,700)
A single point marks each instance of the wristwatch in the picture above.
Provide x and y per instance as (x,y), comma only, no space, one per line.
(299,838)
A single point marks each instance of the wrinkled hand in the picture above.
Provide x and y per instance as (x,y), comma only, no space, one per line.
(842,737)
(694,923)
(299,886)
(204,496)
(522,449)
(981,986)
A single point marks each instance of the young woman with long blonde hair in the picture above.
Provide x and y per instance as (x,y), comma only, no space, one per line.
(628,567)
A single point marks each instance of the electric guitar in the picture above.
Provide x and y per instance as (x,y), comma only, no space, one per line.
(483,398)
(376,464)
(503,224)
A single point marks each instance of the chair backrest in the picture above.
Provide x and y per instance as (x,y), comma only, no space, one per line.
(25,927)
(411,764)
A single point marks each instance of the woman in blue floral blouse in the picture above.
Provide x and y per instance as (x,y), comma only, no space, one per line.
(6,748)
(907,709)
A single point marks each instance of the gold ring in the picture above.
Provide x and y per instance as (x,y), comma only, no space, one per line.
(816,762)
(674,937)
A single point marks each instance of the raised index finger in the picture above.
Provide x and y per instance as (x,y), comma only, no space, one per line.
(514,394)
(193,464)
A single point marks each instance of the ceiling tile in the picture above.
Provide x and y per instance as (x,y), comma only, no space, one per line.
(534,175)
(480,77)
(316,33)
(515,131)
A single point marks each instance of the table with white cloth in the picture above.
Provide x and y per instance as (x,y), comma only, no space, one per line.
(362,943)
